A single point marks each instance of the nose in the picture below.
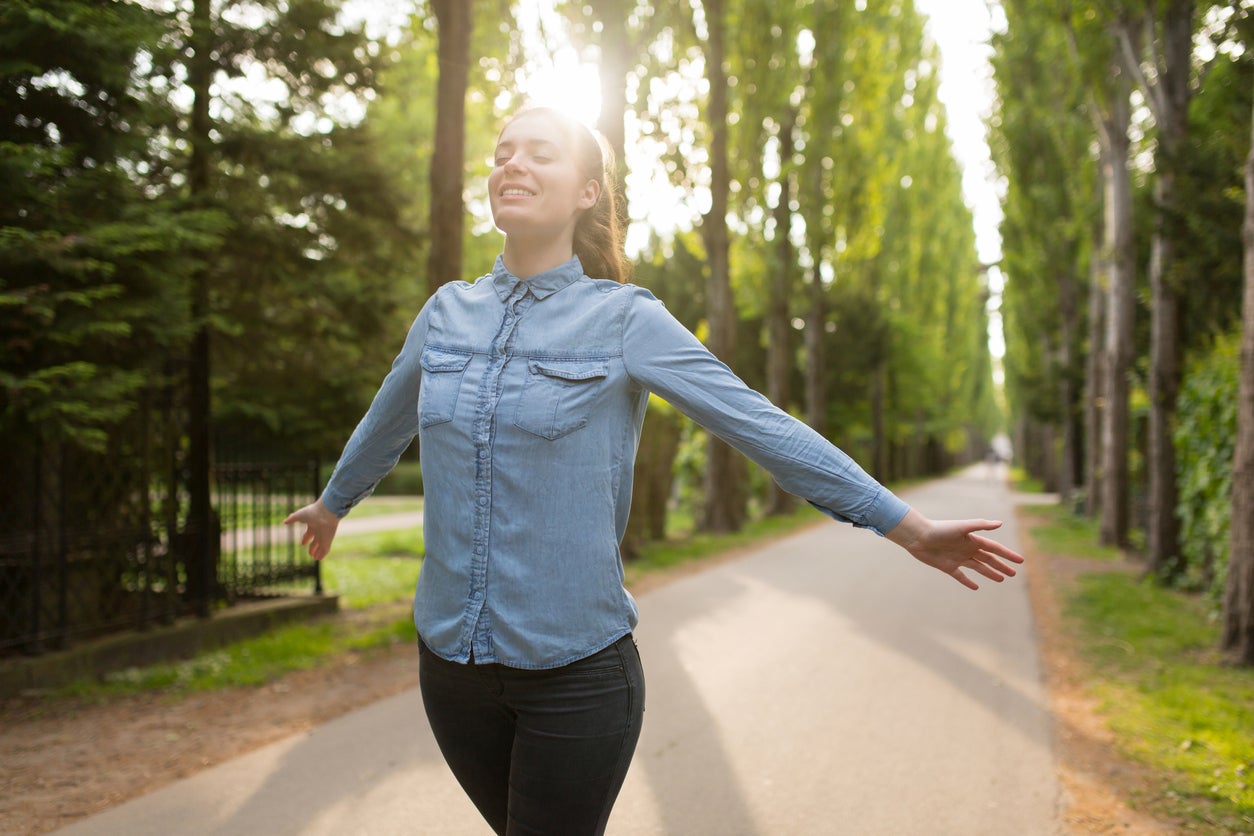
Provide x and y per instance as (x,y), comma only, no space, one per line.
(513,164)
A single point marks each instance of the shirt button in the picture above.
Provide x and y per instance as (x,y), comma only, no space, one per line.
(483,500)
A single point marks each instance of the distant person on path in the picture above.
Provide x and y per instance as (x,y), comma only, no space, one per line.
(528,389)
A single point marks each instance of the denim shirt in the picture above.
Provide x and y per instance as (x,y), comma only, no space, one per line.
(528,398)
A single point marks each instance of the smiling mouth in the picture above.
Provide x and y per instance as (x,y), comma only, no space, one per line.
(516,192)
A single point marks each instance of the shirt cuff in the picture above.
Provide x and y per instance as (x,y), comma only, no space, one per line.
(883,514)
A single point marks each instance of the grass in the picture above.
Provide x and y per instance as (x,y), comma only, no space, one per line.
(1072,535)
(375,506)
(1152,662)
(374,575)
(251,662)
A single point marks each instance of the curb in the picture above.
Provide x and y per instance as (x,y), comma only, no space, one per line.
(94,659)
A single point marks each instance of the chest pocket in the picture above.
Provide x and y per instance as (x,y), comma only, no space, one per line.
(558,396)
(442,373)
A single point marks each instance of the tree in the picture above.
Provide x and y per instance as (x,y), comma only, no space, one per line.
(724,495)
(1238,610)
(444,258)
(1038,134)
(1096,60)
(1166,82)
(767,99)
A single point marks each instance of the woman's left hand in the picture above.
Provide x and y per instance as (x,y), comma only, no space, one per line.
(953,546)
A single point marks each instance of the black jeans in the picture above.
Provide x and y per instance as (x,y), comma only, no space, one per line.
(538,752)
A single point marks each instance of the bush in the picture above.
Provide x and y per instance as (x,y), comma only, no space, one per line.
(1205,439)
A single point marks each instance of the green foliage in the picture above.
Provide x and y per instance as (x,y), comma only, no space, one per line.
(1205,440)
(93,270)
(1213,194)
(1170,704)
(1040,137)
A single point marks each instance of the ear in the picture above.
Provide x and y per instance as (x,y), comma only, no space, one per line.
(589,195)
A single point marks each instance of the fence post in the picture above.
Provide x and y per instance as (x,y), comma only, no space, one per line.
(317,491)
(36,645)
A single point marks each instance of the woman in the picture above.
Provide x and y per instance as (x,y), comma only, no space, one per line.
(528,391)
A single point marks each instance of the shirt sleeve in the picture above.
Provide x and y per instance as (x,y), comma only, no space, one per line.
(664,357)
(387,428)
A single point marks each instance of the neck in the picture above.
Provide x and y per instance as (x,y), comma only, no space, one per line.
(526,258)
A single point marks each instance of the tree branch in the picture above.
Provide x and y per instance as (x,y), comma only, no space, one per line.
(1132,63)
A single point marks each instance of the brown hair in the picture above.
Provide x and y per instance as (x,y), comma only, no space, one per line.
(598,233)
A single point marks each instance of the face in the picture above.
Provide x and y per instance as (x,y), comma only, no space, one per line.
(536,187)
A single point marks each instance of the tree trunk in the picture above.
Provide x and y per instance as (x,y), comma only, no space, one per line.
(779,359)
(1068,308)
(1238,620)
(879,426)
(444,259)
(202,540)
(816,383)
(654,473)
(616,52)
(1095,379)
(1171,93)
(725,470)
(1120,309)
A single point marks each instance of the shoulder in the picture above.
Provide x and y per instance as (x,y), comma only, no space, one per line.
(460,286)
(459,291)
(625,293)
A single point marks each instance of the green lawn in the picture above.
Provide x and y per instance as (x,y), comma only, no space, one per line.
(1153,663)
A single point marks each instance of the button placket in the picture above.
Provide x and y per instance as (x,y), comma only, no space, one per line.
(477,624)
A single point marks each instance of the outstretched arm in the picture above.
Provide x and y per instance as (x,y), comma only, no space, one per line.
(953,545)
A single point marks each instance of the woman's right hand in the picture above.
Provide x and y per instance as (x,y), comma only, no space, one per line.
(320,526)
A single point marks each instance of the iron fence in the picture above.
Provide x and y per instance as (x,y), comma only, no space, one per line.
(98,541)
(259,555)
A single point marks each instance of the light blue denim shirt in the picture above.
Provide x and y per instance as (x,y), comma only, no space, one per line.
(528,397)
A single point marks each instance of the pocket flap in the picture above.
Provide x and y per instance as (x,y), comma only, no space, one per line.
(435,360)
(570,369)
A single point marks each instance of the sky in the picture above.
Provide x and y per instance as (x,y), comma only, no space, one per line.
(961,29)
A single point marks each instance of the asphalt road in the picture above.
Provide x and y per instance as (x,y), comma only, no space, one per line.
(824,684)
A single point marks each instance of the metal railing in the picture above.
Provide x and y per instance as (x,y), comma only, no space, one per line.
(258,554)
(98,542)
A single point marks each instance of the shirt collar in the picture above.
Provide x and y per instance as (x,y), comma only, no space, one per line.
(541,284)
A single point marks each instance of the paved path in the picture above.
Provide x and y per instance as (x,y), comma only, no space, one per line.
(825,684)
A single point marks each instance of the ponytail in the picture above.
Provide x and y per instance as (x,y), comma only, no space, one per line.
(598,234)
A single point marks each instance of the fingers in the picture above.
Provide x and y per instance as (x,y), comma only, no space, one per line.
(992,547)
(994,563)
(961,578)
(972,526)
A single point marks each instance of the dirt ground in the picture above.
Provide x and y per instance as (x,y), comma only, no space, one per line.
(64,760)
